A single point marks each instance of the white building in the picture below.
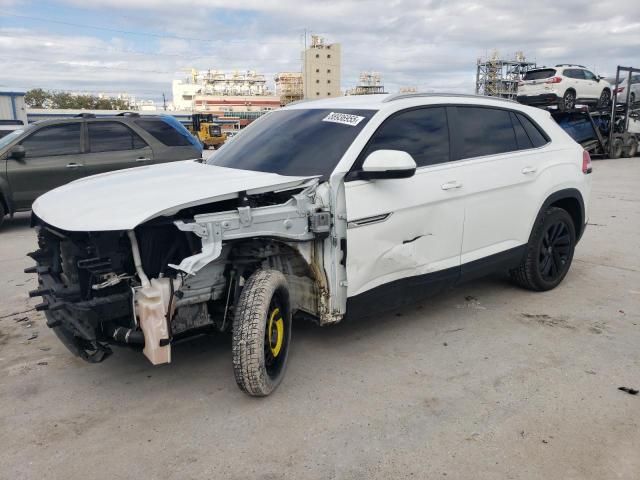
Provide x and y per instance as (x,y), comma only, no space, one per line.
(217,84)
(321,69)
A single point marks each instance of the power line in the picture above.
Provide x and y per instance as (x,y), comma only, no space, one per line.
(139,33)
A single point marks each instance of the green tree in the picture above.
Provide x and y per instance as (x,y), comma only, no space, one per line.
(37,98)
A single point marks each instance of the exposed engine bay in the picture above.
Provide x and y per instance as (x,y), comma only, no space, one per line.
(182,274)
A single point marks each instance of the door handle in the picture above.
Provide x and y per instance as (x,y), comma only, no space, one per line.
(143,159)
(74,165)
(529,170)
(451,185)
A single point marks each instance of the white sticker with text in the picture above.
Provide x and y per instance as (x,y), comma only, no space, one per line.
(343,118)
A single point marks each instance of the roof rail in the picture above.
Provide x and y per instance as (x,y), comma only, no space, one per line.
(127,114)
(570,65)
(86,115)
(400,96)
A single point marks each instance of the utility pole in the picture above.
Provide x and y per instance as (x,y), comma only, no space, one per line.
(164,102)
(304,70)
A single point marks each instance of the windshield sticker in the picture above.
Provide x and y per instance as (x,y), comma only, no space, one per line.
(343,118)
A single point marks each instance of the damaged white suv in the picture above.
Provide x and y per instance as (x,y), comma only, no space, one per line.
(321,210)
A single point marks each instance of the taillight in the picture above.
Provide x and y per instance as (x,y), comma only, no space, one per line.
(554,80)
(586,162)
(619,90)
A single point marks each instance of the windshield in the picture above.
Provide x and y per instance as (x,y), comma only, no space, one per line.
(8,138)
(294,142)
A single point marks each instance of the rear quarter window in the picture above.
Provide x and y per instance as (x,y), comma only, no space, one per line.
(163,132)
(537,137)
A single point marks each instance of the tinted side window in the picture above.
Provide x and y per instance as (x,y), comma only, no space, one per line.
(522,138)
(485,131)
(588,75)
(423,133)
(164,132)
(574,73)
(535,135)
(113,136)
(55,140)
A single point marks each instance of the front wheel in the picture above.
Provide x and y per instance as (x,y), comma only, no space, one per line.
(549,252)
(261,333)
(2,214)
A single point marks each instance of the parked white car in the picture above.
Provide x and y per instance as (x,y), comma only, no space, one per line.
(564,85)
(623,88)
(325,210)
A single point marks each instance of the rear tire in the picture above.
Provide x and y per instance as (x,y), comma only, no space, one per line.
(568,101)
(617,148)
(630,148)
(261,333)
(549,252)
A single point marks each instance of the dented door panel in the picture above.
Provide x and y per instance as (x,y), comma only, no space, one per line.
(400,228)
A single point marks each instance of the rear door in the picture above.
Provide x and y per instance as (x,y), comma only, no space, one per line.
(172,141)
(113,145)
(53,157)
(407,229)
(499,161)
(583,88)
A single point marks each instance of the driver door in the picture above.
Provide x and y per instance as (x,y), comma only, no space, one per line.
(404,235)
(53,157)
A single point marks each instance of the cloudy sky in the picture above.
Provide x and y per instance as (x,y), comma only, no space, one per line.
(139,46)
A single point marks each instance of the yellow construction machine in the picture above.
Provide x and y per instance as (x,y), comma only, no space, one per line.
(207,130)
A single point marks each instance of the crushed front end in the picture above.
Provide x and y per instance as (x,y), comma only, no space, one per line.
(179,275)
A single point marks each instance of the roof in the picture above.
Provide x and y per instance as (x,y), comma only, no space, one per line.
(376,102)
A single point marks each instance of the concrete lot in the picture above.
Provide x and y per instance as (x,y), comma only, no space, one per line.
(484,382)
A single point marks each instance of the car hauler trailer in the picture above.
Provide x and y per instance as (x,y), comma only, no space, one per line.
(606,131)
(625,121)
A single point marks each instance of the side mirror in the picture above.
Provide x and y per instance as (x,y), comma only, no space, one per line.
(17,152)
(388,164)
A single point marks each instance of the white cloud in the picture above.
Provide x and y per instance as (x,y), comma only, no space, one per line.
(428,44)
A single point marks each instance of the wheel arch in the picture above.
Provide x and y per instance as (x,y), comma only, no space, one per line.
(570,200)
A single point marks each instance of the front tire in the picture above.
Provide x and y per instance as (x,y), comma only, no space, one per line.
(261,333)
(549,252)
(2,214)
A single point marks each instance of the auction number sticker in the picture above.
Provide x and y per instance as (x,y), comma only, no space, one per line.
(343,118)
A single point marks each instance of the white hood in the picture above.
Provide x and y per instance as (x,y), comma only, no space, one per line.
(123,199)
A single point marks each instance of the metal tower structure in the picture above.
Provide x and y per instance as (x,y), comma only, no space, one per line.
(497,77)
(370,83)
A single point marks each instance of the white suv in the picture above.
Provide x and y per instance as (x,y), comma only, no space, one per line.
(327,209)
(564,86)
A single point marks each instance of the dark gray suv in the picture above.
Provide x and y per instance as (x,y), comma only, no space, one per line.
(50,153)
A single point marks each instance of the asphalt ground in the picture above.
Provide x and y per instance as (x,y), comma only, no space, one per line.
(486,381)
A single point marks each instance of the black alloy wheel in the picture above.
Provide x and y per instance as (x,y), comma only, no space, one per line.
(555,252)
(549,252)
